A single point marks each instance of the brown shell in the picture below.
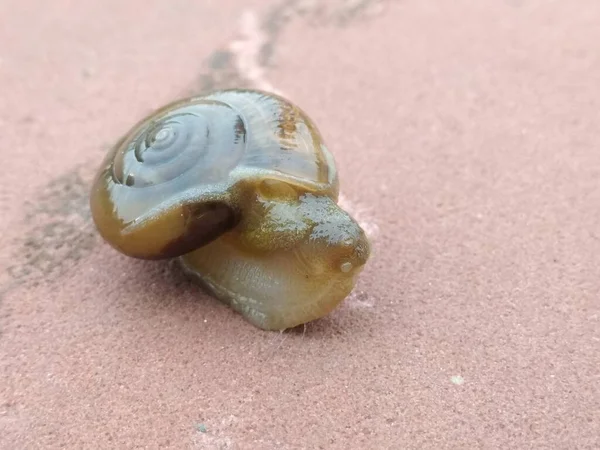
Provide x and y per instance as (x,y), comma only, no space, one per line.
(178,179)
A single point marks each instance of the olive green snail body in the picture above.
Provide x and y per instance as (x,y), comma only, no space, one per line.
(239,186)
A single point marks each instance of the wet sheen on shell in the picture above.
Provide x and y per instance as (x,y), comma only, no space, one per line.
(241,187)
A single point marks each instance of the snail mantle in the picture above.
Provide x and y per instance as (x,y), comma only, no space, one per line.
(239,186)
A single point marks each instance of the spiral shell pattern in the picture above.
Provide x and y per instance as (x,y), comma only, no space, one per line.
(207,137)
(184,174)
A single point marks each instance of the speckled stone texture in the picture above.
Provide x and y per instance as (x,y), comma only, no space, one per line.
(468,140)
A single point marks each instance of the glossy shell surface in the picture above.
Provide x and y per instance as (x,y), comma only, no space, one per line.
(168,185)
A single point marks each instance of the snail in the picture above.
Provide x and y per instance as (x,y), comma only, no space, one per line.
(239,187)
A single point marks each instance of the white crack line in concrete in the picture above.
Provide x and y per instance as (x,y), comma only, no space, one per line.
(365,221)
(246,49)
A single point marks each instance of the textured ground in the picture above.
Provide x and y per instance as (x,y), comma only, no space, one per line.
(468,143)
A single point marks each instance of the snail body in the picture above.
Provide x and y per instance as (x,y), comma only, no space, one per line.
(239,186)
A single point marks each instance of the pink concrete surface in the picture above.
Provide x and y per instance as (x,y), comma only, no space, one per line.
(468,140)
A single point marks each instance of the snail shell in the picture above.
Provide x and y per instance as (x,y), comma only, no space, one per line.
(239,186)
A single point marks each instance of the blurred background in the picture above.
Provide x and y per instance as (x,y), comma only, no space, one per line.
(466,136)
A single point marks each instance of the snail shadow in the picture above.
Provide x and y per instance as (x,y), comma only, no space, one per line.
(166,276)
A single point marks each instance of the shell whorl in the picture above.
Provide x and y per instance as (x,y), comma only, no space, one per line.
(205,137)
(185,173)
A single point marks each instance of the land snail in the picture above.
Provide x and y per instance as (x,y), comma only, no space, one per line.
(240,188)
